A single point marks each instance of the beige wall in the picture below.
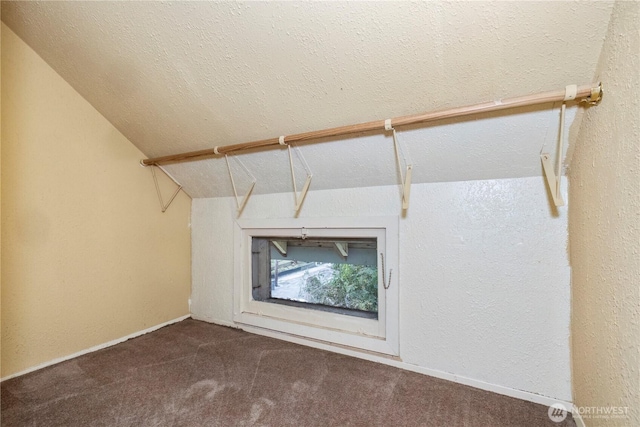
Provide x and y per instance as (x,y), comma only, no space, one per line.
(604,230)
(87,255)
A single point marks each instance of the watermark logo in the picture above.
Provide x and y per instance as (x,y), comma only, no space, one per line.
(557,412)
(602,412)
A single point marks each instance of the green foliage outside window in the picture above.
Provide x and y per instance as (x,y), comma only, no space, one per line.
(351,286)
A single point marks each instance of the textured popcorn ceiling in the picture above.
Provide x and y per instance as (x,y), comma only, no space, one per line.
(184,76)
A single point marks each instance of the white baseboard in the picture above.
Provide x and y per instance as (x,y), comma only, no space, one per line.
(95,348)
(398,363)
(216,321)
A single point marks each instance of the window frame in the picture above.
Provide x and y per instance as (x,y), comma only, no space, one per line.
(378,335)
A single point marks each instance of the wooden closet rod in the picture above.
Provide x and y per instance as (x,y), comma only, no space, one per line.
(589,93)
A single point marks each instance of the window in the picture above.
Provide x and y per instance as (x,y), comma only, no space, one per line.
(329,274)
(321,279)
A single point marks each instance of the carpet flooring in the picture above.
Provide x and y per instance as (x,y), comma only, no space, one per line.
(197,374)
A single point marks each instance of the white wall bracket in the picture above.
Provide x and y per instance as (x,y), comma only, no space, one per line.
(342,248)
(554,177)
(406,177)
(281,246)
(164,206)
(299,198)
(240,203)
(553,180)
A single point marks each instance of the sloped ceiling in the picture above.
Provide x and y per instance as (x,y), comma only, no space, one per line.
(183,76)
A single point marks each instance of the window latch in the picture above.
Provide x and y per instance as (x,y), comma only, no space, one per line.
(385,283)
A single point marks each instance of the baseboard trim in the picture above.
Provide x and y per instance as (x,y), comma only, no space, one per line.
(95,348)
(216,321)
(398,363)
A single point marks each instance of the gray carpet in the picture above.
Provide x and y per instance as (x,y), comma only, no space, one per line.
(197,374)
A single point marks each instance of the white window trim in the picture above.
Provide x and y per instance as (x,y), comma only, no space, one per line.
(379,335)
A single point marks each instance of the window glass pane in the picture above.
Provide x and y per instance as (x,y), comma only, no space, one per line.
(335,285)
(319,272)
